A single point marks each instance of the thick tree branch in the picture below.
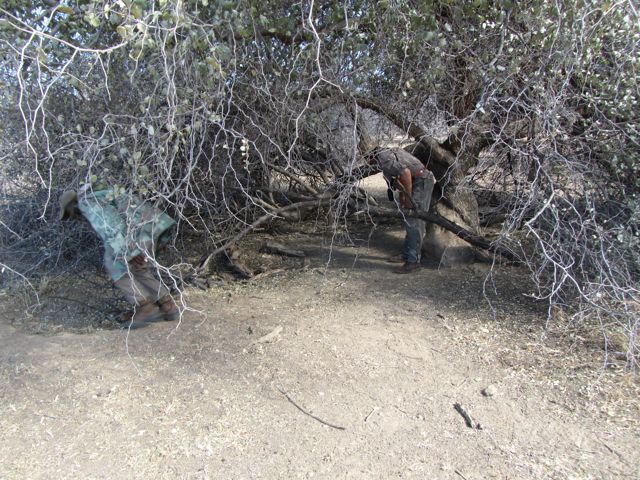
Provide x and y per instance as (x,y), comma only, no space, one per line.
(437,152)
(466,235)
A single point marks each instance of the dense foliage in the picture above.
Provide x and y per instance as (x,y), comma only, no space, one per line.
(226,111)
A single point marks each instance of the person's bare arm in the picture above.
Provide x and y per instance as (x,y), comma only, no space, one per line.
(405,180)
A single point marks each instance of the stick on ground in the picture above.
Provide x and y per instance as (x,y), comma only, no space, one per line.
(307,413)
(465,415)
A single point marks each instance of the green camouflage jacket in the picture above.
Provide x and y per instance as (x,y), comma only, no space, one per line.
(127,226)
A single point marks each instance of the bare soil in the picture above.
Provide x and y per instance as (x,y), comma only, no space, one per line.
(333,367)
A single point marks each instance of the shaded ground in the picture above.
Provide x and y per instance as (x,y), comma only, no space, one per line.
(384,357)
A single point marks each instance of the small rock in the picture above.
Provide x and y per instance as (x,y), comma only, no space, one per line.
(489,391)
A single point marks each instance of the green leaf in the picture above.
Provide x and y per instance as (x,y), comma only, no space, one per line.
(213,62)
(92,19)
(66,10)
(136,11)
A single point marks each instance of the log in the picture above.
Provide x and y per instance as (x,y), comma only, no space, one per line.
(470,237)
(279,249)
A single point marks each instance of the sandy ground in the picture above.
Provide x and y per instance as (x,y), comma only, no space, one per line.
(338,370)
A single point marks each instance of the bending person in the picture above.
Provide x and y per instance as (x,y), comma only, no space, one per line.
(130,230)
(415,183)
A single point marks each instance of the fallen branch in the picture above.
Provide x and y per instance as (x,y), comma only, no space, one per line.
(277,248)
(370,413)
(472,238)
(202,265)
(463,233)
(466,416)
(267,273)
(620,457)
(293,178)
(459,473)
(437,152)
(307,413)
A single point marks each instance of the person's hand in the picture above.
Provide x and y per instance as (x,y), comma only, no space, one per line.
(138,261)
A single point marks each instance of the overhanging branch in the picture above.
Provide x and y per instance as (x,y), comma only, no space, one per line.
(437,152)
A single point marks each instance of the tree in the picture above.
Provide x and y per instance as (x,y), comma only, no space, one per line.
(229,112)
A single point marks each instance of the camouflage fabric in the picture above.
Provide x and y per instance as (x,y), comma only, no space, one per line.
(126,225)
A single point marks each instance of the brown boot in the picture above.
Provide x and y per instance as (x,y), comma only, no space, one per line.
(407,268)
(143,314)
(168,308)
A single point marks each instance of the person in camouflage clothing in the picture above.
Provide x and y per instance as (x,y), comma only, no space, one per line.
(130,230)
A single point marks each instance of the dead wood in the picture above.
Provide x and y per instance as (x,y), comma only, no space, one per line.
(437,152)
(294,178)
(355,174)
(204,262)
(466,416)
(463,233)
(307,413)
(239,269)
(267,273)
(459,473)
(278,248)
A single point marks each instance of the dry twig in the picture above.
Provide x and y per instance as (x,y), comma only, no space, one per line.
(307,413)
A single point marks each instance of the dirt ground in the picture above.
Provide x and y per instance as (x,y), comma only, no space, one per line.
(335,369)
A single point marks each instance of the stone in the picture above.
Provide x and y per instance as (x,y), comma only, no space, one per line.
(489,391)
